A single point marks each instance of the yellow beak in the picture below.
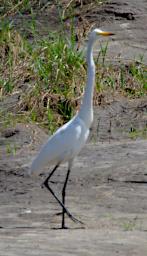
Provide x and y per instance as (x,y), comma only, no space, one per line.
(105,33)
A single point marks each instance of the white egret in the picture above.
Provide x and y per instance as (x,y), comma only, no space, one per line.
(66,143)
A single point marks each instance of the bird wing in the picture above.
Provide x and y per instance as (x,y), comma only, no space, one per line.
(64,145)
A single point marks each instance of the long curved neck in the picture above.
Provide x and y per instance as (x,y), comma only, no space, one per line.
(86,109)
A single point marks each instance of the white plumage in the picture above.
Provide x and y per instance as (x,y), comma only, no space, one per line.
(62,146)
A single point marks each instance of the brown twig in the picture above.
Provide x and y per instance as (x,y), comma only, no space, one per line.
(12,10)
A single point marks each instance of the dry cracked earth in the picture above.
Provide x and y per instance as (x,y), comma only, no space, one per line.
(107,189)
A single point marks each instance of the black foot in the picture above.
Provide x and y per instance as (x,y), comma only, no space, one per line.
(75,219)
(58,213)
(64,227)
(71,217)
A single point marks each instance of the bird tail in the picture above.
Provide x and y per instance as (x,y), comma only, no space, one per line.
(33,170)
(40,162)
(36,167)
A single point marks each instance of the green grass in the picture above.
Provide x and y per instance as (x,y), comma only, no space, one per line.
(50,70)
(121,78)
(11,149)
(17,6)
(50,74)
(129,225)
(10,7)
(138,133)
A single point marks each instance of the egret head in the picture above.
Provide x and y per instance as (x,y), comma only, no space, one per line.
(98,32)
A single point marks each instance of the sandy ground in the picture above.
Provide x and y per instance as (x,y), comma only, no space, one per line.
(106,190)
(108,184)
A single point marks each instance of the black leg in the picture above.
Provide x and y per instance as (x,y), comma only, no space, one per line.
(57,199)
(52,172)
(63,198)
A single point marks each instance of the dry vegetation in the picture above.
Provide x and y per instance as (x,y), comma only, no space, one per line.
(49,73)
